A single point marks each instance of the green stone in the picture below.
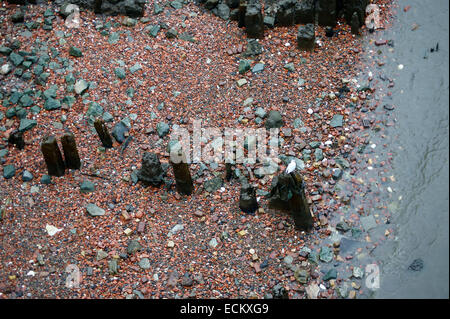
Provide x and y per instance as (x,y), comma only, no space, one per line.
(153,30)
(26,125)
(26,100)
(70,79)
(290,67)
(73,51)
(135,68)
(51,92)
(331,274)
(46,179)
(9,171)
(326,254)
(120,73)
(52,104)
(244,66)
(113,38)
(27,64)
(5,50)
(69,100)
(337,121)
(87,187)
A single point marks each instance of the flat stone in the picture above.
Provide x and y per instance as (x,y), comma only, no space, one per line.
(81,86)
(337,121)
(73,51)
(27,176)
(87,187)
(331,274)
(368,222)
(9,171)
(26,124)
(241,82)
(144,263)
(94,210)
(326,254)
(259,67)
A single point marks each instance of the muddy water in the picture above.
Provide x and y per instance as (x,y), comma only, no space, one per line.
(419,142)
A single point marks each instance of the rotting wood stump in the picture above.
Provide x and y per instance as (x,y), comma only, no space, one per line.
(288,194)
(181,171)
(16,138)
(103,133)
(71,156)
(52,156)
(247,199)
(228,171)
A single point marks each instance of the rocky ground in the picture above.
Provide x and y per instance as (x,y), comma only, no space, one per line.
(174,65)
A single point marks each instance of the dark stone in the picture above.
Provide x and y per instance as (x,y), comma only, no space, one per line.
(279,292)
(306,37)
(18,16)
(52,156)
(416,265)
(71,157)
(223,11)
(119,131)
(331,274)
(274,120)
(151,172)
(288,194)
(133,246)
(9,171)
(329,32)
(254,48)
(103,134)
(247,199)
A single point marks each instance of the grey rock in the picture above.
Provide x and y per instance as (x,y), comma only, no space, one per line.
(94,210)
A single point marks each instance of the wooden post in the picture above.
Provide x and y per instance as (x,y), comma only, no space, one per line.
(52,156)
(16,138)
(181,171)
(288,194)
(247,200)
(71,157)
(103,133)
(242,12)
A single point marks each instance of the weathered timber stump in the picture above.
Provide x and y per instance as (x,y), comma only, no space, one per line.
(16,138)
(247,200)
(181,171)
(288,194)
(52,156)
(242,12)
(151,172)
(103,133)
(71,156)
(228,171)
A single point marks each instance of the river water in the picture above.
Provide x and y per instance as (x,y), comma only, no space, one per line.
(419,143)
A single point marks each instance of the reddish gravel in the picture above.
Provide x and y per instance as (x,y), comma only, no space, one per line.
(208,92)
